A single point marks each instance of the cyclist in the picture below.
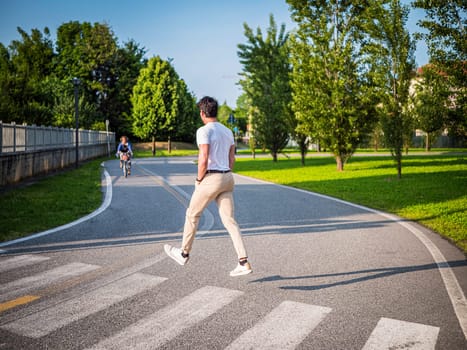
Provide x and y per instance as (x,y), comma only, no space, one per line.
(124,151)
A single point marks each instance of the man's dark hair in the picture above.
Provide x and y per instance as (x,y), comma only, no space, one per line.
(208,105)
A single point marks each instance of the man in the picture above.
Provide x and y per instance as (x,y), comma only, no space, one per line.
(214,182)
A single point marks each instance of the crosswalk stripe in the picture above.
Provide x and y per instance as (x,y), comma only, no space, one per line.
(395,334)
(165,324)
(20,261)
(26,284)
(62,314)
(283,328)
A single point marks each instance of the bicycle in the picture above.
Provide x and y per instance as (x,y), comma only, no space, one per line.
(125,162)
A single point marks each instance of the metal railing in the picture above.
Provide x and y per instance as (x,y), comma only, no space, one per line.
(23,138)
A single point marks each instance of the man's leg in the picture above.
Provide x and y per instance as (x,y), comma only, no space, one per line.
(199,201)
(226,211)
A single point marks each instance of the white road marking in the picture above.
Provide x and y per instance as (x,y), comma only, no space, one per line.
(104,206)
(20,261)
(454,290)
(393,334)
(26,284)
(33,326)
(165,324)
(285,327)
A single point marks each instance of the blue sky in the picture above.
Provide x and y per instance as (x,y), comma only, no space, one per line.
(201,36)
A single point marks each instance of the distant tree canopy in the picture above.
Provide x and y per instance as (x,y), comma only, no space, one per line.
(36,82)
(36,77)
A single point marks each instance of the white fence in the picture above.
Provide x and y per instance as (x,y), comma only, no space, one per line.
(21,138)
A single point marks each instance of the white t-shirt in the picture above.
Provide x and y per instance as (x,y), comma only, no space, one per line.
(220,139)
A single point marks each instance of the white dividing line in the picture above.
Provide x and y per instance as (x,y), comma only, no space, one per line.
(285,327)
(20,261)
(393,334)
(104,206)
(26,284)
(33,326)
(454,290)
(164,325)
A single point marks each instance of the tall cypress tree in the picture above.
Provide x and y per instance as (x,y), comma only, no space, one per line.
(265,79)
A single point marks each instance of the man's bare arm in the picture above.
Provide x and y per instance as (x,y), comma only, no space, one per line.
(232,157)
(203,156)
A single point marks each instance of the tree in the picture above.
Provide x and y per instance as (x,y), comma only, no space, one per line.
(155,100)
(187,120)
(223,113)
(24,66)
(429,103)
(124,71)
(87,51)
(446,25)
(265,79)
(330,98)
(35,81)
(392,59)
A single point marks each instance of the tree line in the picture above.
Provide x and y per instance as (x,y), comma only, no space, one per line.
(344,77)
(347,74)
(36,83)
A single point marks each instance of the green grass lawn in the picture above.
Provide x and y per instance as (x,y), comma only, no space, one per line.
(51,201)
(432,191)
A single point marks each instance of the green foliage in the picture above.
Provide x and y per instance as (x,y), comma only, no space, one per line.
(162,105)
(331,99)
(265,80)
(23,66)
(391,56)
(124,70)
(35,79)
(446,25)
(223,113)
(430,102)
(446,32)
(187,120)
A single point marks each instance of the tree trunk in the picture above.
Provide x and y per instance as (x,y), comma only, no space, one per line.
(169,145)
(153,146)
(274,156)
(339,163)
(399,168)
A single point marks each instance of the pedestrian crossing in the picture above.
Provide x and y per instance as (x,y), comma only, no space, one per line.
(285,326)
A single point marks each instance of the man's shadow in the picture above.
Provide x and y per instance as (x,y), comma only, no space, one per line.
(375,273)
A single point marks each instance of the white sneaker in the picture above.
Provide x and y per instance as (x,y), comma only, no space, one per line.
(241,270)
(176,254)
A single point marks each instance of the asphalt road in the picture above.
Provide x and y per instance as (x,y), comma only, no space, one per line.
(327,275)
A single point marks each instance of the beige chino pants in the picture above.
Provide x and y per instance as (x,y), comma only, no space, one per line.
(218,187)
